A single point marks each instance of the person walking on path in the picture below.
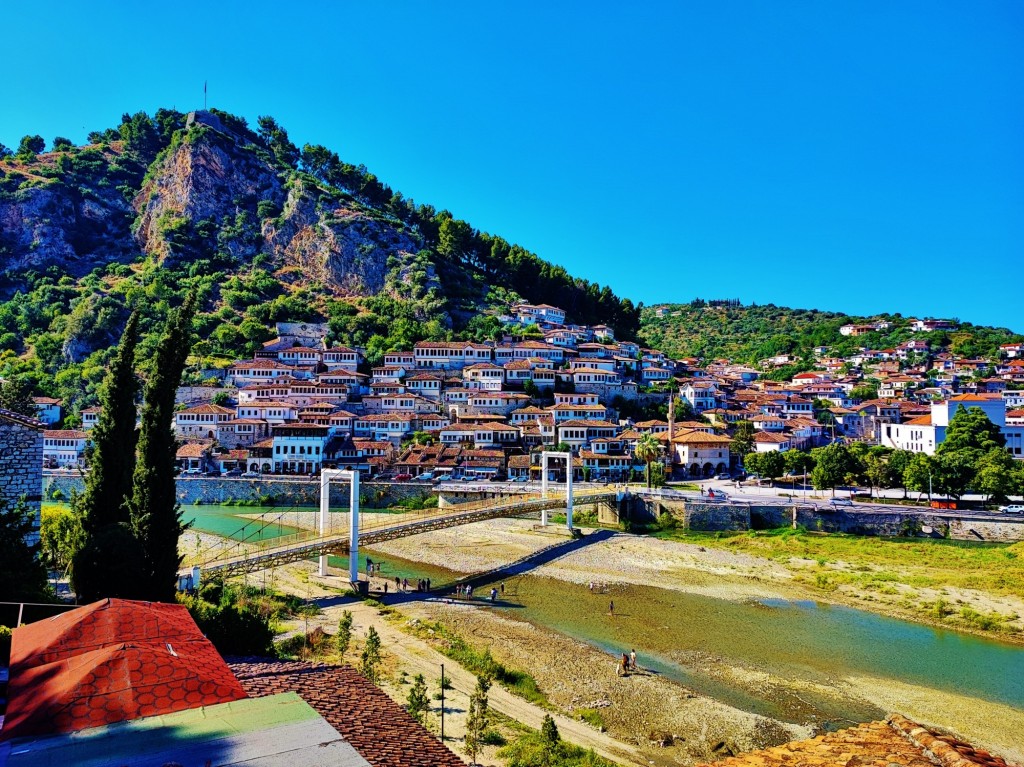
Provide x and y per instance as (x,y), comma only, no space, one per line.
(632,660)
(611,611)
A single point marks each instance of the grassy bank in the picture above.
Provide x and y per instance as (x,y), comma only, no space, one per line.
(919,575)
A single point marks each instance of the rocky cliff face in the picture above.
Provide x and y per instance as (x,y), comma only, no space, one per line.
(333,242)
(49,220)
(216,191)
(212,193)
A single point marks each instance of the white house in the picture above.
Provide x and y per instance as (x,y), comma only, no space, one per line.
(48,410)
(64,447)
(299,448)
(201,420)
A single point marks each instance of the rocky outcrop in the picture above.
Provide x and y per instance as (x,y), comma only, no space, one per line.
(216,191)
(334,243)
(204,195)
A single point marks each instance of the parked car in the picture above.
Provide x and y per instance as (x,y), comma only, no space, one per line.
(425,476)
(723,475)
(192,472)
(403,477)
(443,478)
(841,502)
(251,475)
(1013,508)
(233,473)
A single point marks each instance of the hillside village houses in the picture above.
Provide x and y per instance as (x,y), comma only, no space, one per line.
(481,410)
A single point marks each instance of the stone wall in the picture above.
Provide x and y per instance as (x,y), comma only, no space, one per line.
(193,395)
(21,465)
(284,492)
(694,515)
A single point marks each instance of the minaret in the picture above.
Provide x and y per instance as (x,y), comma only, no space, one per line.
(671,418)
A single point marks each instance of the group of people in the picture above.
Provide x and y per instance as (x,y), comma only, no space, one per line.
(711,492)
(466,591)
(372,567)
(402,584)
(626,663)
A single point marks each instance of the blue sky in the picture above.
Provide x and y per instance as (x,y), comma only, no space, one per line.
(859,157)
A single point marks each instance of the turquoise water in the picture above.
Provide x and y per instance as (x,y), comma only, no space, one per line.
(227,521)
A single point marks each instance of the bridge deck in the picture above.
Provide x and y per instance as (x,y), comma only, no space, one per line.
(293,548)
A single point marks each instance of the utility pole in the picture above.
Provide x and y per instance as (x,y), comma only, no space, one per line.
(442,703)
(204,95)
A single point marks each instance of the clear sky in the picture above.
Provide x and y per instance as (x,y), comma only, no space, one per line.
(854,156)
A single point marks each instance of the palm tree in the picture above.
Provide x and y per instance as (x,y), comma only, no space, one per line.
(646,450)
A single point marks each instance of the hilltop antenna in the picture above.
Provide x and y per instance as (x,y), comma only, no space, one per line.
(204,95)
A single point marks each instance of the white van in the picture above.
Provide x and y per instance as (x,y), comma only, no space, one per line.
(1013,508)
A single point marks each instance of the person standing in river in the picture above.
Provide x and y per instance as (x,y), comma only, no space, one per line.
(632,659)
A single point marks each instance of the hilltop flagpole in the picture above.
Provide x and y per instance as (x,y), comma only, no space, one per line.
(204,95)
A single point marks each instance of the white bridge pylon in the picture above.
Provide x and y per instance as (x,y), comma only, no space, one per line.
(544,456)
(326,475)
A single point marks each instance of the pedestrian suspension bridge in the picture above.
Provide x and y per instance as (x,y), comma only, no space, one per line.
(341,532)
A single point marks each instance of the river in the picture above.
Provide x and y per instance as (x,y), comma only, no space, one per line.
(702,641)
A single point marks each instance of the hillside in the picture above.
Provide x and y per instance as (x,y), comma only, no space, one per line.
(751,333)
(263,230)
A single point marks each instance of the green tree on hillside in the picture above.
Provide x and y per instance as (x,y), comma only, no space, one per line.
(155,511)
(29,147)
(16,396)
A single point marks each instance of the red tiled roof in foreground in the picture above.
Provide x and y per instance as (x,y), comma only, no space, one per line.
(111,661)
(378,728)
(96,625)
(896,741)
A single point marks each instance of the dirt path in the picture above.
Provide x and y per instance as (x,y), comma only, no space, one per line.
(414,656)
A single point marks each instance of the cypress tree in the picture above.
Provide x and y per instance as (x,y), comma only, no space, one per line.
(107,562)
(109,481)
(155,511)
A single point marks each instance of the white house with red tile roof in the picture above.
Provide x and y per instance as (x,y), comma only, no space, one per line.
(64,447)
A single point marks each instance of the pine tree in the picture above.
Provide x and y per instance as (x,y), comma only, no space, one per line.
(549,738)
(344,636)
(107,561)
(476,717)
(418,701)
(371,656)
(155,511)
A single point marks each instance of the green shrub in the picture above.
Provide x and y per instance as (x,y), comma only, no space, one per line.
(5,645)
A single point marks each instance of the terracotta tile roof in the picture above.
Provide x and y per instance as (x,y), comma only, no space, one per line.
(768,437)
(377,727)
(22,420)
(111,661)
(896,741)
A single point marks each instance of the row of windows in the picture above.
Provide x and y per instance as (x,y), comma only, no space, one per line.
(61,442)
(284,450)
